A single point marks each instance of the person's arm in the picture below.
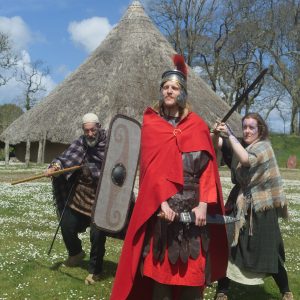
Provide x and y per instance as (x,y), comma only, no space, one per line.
(238,149)
(208,194)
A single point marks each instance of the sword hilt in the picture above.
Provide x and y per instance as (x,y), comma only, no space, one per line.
(190,217)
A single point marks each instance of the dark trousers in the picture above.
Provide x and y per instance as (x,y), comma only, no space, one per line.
(280,278)
(73,223)
(164,292)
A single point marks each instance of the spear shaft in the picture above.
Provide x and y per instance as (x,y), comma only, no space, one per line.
(44,175)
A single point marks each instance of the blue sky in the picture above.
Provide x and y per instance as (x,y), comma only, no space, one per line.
(61,33)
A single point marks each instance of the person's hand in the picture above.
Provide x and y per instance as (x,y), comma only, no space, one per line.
(224,128)
(200,214)
(168,213)
(214,130)
(51,169)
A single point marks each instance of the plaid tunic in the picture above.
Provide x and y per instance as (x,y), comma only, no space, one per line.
(262,180)
(261,185)
(76,154)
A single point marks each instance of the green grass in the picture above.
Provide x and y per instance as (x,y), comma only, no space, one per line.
(284,146)
(28,222)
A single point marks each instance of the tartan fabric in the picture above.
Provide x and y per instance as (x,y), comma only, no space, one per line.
(261,250)
(262,181)
(76,154)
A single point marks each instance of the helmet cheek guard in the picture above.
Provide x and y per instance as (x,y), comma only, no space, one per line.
(181,99)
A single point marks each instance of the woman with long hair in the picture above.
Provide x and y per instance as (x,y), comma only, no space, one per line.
(257,199)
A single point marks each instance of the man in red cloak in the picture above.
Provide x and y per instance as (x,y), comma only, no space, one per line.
(163,258)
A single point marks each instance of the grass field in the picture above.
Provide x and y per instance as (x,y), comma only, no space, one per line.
(284,146)
(28,222)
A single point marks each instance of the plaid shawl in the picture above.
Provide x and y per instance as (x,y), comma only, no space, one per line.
(76,154)
(262,181)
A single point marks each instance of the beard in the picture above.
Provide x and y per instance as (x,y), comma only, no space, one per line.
(92,142)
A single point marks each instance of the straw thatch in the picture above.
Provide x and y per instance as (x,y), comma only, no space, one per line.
(121,76)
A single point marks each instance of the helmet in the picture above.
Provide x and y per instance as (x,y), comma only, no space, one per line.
(180,76)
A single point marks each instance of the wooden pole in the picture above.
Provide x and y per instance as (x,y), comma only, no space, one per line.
(40,152)
(71,169)
(44,147)
(27,153)
(6,153)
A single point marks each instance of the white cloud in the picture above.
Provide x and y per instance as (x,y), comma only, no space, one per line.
(89,33)
(10,92)
(63,70)
(18,32)
(20,37)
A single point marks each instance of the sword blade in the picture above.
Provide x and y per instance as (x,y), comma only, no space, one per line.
(244,95)
(189,217)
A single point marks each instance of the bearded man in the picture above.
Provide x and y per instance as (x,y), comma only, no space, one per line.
(75,193)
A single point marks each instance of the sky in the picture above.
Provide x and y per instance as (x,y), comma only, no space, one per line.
(60,33)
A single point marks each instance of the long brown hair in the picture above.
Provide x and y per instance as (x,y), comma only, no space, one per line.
(183,111)
(263,131)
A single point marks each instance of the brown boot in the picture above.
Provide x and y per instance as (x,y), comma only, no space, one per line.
(92,278)
(221,296)
(75,260)
(287,296)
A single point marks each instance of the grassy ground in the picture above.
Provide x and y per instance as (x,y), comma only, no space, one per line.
(284,146)
(28,222)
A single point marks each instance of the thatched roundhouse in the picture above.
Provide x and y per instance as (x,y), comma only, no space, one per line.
(121,76)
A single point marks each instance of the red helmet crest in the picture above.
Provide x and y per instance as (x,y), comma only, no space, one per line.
(180,64)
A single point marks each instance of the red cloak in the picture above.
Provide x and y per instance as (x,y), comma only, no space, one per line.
(161,176)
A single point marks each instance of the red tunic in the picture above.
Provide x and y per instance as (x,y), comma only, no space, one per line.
(192,272)
(161,176)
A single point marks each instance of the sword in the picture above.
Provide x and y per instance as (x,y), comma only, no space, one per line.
(244,95)
(189,217)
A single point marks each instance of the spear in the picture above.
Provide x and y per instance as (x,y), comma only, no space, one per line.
(61,217)
(44,175)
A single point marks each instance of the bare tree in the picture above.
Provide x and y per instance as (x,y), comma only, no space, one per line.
(282,43)
(183,22)
(7,58)
(231,58)
(31,76)
(233,40)
(272,31)
(215,35)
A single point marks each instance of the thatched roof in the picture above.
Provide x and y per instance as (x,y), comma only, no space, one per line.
(121,76)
